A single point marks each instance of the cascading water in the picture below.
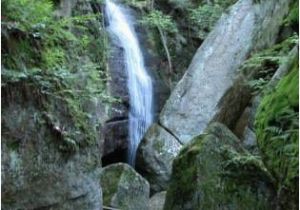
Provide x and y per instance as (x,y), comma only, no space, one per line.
(139,83)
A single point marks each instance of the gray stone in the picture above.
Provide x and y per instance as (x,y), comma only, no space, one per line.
(215,172)
(46,162)
(123,188)
(196,100)
(157,201)
(115,136)
(245,130)
(117,84)
(36,173)
(155,155)
(249,138)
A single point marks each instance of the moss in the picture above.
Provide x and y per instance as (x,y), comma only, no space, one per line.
(214,172)
(64,59)
(158,146)
(277,132)
(111,179)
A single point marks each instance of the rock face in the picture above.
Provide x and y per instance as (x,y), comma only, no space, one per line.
(115,136)
(197,98)
(123,188)
(47,163)
(35,172)
(214,172)
(155,155)
(118,80)
(115,130)
(157,201)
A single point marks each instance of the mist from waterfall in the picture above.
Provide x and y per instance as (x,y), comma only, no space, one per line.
(139,83)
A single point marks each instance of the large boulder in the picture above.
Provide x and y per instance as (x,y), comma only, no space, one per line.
(123,188)
(199,96)
(157,201)
(214,172)
(39,168)
(155,155)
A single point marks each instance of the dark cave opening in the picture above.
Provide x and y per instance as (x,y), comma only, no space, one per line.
(119,155)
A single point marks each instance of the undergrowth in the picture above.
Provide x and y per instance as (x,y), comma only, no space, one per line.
(56,55)
(260,67)
(277,127)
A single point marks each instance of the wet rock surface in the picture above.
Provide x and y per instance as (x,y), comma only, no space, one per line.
(123,188)
(115,136)
(155,156)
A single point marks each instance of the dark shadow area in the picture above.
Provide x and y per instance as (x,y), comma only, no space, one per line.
(119,155)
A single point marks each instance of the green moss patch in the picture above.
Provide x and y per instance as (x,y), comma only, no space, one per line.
(277,133)
(214,172)
(63,59)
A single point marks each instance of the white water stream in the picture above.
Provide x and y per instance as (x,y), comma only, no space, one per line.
(139,83)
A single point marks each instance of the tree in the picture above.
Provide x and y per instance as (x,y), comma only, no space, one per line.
(164,24)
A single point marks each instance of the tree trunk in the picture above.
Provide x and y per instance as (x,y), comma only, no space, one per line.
(164,42)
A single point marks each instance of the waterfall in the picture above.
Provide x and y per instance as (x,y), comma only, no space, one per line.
(139,83)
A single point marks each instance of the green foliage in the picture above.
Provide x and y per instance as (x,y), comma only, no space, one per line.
(193,20)
(293,17)
(27,13)
(245,165)
(156,19)
(53,57)
(277,122)
(62,59)
(260,67)
(258,84)
(141,4)
(204,18)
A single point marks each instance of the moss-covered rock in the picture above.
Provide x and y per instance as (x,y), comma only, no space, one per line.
(214,172)
(53,73)
(61,58)
(123,188)
(277,134)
